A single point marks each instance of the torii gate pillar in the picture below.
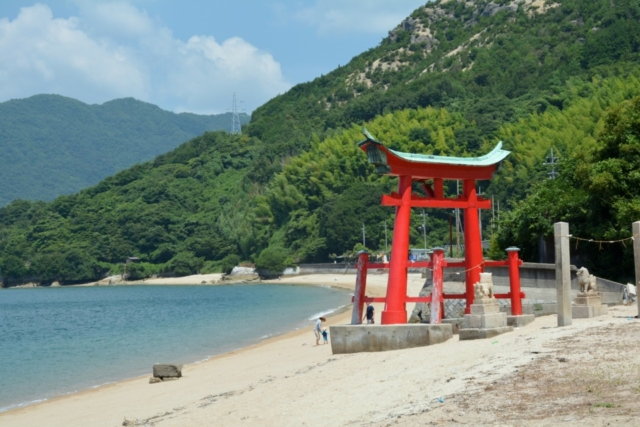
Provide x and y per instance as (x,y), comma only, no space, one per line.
(472,242)
(395,310)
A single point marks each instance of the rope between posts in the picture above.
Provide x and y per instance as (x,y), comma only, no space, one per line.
(469,269)
(599,242)
(458,272)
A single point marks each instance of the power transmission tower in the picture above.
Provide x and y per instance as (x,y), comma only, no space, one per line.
(235,117)
(552,160)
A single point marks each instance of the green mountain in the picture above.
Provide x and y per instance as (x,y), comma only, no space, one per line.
(52,145)
(452,79)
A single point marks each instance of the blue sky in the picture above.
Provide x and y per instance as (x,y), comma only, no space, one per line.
(183,55)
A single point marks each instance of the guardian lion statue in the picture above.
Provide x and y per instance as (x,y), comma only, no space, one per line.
(587,281)
(484,288)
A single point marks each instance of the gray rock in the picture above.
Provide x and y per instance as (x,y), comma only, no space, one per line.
(154,380)
(492,9)
(242,271)
(167,371)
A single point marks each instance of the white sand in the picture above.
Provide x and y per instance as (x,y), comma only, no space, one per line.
(196,279)
(287,381)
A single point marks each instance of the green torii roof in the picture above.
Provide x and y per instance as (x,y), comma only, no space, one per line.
(494,156)
(393,162)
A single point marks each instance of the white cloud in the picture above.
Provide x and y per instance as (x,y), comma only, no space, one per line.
(115,50)
(116,19)
(356,16)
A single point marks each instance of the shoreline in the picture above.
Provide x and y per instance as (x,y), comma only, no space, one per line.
(287,380)
(375,282)
(336,315)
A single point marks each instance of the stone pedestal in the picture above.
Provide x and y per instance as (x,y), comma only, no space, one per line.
(485,321)
(371,338)
(588,305)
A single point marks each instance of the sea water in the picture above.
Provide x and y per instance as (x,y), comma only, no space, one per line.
(60,340)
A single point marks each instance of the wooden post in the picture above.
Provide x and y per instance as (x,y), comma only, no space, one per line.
(361,287)
(437,262)
(636,258)
(563,273)
(472,242)
(514,281)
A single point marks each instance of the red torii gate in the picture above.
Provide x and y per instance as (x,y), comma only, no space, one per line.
(410,168)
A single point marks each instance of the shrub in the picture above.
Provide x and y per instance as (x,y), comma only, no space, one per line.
(184,264)
(272,260)
(229,262)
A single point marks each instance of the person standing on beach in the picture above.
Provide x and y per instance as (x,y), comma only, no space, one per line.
(317,329)
(369,314)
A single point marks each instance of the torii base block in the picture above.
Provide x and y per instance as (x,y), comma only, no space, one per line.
(371,338)
(485,321)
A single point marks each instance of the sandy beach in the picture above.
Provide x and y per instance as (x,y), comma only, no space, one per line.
(538,375)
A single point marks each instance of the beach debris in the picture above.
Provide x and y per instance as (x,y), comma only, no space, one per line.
(129,422)
(166,371)
(154,380)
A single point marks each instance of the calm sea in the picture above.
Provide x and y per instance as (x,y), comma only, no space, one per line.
(59,340)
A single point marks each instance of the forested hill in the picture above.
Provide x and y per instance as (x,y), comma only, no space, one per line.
(452,79)
(494,61)
(52,145)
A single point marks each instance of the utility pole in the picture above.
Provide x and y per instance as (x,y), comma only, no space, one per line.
(480,215)
(424,234)
(386,241)
(551,161)
(450,237)
(457,220)
(493,215)
(364,236)
(424,231)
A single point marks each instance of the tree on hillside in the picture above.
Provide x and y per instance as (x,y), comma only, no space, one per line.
(597,193)
(341,219)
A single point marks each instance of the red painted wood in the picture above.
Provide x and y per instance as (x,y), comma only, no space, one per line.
(377,265)
(438,184)
(443,203)
(472,242)
(401,167)
(496,263)
(428,298)
(514,282)
(395,311)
